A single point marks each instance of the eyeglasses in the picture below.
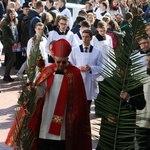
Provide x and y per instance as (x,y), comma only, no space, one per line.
(63,62)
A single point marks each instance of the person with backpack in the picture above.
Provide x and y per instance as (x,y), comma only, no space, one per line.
(34,17)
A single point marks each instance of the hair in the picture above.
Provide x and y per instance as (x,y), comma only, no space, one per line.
(39,24)
(63,1)
(104,4)
(80,19)
(128,16)
(39,4)
(96,23)
(144,36)
(101,24)
(56,20)
(106,19)
(34,0)
(53,15)
(85,23)
(89,3)
(63,17)
(46,17)
(51,1)
(114,25)
(82,13)
(147,24)
(90,13)
(111,3)
(118,14)
(11,4)
(10,10)
(88,32)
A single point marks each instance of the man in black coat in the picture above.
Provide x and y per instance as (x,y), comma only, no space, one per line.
(20,59)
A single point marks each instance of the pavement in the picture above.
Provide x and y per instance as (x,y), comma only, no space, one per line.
(9,93)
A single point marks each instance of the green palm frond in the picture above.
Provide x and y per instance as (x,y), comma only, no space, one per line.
(28,95)
(117,128)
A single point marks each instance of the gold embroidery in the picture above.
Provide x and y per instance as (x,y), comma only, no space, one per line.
(55,69)
(47,72)
(69,75)
(69,114)
(65,70)
(57,119)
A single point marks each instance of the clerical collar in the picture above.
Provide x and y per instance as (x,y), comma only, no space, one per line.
(90,49)
(62,8)
(100,38)
(103,13)
(60,71)
(60,32)
(51,9)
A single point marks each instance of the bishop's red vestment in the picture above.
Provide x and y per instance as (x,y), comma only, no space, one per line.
(72,97)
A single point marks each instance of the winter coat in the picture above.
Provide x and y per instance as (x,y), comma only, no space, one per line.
(7,36)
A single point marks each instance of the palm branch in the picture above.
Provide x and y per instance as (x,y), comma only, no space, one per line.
(117,126)
(27,136)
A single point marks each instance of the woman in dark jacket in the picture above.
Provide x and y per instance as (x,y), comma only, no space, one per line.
(9,36)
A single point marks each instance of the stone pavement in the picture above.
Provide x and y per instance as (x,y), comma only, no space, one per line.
(8,102)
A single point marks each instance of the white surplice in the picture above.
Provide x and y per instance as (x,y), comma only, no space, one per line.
(95,60)
(53,35)
(105,47)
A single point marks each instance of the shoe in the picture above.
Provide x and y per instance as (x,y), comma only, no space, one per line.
(3,64)
(20,76)
(8,78)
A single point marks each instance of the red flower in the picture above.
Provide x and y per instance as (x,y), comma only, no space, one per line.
(41,63)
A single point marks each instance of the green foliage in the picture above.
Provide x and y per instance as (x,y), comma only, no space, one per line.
(28,95)
(117,128)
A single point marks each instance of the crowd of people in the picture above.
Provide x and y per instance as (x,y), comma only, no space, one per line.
(79,49)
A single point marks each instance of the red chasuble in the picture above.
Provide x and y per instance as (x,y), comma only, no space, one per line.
(73,97)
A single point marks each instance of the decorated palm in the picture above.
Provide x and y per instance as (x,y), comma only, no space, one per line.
(20,136)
